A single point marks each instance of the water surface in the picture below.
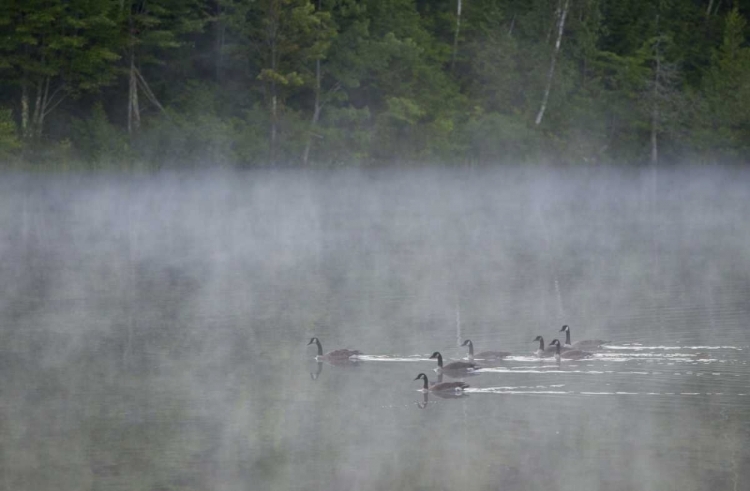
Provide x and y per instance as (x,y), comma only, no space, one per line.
(154,330)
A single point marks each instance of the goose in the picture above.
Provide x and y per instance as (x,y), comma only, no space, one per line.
(453,366)
(484,355)
(583,344)
(542,352)
(442,386)
(335,355)
(572,354)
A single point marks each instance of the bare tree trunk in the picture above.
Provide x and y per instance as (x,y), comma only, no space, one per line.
(708,10)
(134,112)
(272,33)
(654,139)
(316,109)
(37,111)
(455,37)
(554,24)
(550,74)
(512,25)
(655,108)
(316,114)
(25,129)
(274,122)
(220,31)
(43,109)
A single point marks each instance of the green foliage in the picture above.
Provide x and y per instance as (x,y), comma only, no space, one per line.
(97,140)
(724,120)
(10,143)
(500,137)
(355,82)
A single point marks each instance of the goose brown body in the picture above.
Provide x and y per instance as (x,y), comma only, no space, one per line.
(584,344)
(485,355)
(454,366)
(335,355)
(572,354)
(442,386)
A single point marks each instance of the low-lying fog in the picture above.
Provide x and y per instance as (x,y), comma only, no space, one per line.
(154,329)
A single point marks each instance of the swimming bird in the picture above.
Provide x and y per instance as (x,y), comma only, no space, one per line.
(572,354)
(484,355)
(442,386)
(584,344)
(335,355)
(542,352)
(454,366)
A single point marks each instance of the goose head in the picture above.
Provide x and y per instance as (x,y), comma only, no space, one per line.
(467,343)
(538,338)
(565,328)
(439,359)
(320,346)
(421,375)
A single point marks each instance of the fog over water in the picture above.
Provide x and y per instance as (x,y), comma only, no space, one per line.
(154,329)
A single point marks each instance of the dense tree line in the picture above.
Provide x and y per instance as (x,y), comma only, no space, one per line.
(321,82)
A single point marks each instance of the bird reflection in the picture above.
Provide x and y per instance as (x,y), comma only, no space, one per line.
(314,374)
(443,395)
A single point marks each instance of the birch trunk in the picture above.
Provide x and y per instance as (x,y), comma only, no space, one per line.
(134,112)
(25,109)
(316,115)
(455,37)
(550,74)
(272,35)
(34,130)
(43,109)
(316,109)
(708,10)
(655,108)
(220,33)
(654,138)
(274,116)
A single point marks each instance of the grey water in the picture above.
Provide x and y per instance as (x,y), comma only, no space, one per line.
(154,329)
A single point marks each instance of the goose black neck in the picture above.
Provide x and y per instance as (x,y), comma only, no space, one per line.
(557,348)
(471,348)
(440,360)
(320,347)
(425,381)
(567,337)
(541,343)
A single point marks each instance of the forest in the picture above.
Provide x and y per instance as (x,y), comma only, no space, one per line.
(321,83)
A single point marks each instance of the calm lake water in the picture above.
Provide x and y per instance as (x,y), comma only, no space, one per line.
(154,330)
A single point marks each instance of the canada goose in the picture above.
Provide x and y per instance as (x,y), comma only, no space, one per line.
(484,355)
(442,386)
(541,352)
(454,366)
(583,344)
(572,354)
(336,355)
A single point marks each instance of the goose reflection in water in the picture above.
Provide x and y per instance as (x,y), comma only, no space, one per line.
(443,395)
(314,375)
(345,363)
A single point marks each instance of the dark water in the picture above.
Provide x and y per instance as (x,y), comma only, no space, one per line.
(153,330)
